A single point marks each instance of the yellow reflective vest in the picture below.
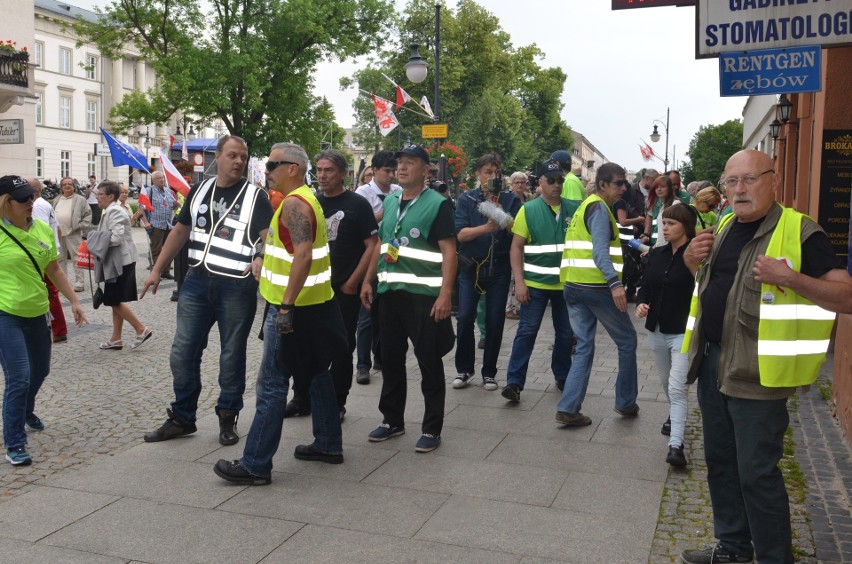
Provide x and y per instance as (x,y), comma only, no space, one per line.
(578,264)
(793,333)
(277,260)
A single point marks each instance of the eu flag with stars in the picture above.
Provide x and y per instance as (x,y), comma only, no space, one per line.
(124,154)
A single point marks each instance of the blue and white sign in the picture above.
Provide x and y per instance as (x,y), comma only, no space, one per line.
(771,71)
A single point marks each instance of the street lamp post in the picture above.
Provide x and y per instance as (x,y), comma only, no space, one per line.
(415,68)
(147,145)
(655,136)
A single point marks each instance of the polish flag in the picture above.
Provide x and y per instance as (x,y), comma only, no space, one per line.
(173,177)
(145,201)
(401,95)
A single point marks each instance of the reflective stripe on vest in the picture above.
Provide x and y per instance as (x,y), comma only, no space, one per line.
(418,266)
(793,332)
(543,252)
(275,274)
(578,263)
(625,233)
(219,255)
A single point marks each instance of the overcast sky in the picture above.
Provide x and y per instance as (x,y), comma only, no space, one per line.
(624,69)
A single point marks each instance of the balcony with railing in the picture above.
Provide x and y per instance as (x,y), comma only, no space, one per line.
(17,78)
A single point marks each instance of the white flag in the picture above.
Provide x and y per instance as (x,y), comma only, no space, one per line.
(425,103)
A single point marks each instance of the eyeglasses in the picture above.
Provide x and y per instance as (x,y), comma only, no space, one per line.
(747,179)
(619,183)
(25,199)
(272,165)
(554,179)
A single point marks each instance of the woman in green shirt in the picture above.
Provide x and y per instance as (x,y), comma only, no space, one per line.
(27,250)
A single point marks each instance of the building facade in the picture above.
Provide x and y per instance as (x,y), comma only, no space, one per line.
(17,90)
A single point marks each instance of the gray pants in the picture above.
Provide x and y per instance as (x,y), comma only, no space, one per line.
(70,244)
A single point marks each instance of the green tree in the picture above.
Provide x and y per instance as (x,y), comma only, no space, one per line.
(495,97)
(709,150)
(246,62)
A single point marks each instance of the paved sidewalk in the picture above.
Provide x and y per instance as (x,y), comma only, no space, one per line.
(506,485)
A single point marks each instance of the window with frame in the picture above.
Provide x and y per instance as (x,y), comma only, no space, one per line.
(39,108)
(65,112)
(91,67)
(39,162)
(90,165)
(64,163)
(91,115)
(38,53)
(65,60)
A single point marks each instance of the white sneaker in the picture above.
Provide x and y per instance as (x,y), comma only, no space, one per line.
(462,380)
(490,384)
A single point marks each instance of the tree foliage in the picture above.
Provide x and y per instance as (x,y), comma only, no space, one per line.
(248,63)
(710,149)
(494,96)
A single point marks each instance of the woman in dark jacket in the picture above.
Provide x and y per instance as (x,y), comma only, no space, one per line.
(664,297)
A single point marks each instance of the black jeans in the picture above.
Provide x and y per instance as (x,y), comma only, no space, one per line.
(743,442)
(406,316)
(341,367)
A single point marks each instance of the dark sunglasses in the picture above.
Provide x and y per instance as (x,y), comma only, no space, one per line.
(554,180)
(272,165)
(25,199)
(619,183)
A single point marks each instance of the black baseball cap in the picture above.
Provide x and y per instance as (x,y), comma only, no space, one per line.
(552,169)
(414,151)
(15,186)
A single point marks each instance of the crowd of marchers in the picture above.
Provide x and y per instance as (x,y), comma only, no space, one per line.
(738,294)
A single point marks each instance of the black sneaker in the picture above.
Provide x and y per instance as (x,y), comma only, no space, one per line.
(481,345)
(34,423)
(234,472)
(384,432)
(297,409)
(363,376)
(312,454)
(712,555)
(676,456)
(667,427)
(171,429)
(512,392)
(560,386)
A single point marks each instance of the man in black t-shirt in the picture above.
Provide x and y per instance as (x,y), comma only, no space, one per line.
(761,328)
(224,223)
(352,239)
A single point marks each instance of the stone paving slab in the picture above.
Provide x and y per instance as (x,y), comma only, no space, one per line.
(15,550)
(326,545)
(163,532)
(45,510)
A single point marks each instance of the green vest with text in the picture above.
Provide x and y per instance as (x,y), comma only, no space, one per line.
(418,266)
(543,253)
(578,264)
(793,333)
(277,260)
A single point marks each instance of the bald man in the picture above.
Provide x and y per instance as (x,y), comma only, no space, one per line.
(44,211)
(768,282)
(164,205)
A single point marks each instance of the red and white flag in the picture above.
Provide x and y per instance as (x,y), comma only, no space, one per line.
(401,95)
(385,117)
(647,152)
(173,177)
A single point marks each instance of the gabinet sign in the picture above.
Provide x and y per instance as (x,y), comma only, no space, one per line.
(745,25)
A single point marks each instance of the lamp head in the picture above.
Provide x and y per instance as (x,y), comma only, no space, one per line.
(655,135)
(785,108)
(775,128)
(415,68)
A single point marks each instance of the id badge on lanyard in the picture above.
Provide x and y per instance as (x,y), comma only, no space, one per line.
(392,254)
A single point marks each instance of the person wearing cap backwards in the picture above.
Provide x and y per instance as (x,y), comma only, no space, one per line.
(591,270)
(224,219)
(27,253)
(759,326)
(572,189)
(415,264)
(539,235)
(484,247)
(302,329)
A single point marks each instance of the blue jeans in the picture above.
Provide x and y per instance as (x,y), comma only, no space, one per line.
(672,366)
(743,443)
(364,339)
(203,300)
(585,308)
(495,282)
(272,386)
(528,326)
(25,346)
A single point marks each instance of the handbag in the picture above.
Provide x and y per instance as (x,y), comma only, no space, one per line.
(97,294)
(32,260)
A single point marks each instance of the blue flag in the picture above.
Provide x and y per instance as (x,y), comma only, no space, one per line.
(124,154)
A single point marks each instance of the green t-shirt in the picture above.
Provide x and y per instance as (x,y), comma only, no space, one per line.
(22,290)
(521,229)
(573,191)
